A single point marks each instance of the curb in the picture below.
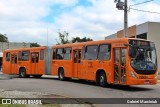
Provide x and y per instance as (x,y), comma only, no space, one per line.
(5,77)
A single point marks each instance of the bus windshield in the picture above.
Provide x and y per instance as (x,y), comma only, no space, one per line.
(143,55)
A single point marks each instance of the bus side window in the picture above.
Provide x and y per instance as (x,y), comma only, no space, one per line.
(123,58)
(59,54)
(12,59)
(42,54)
(8,56)
(25,55)
(83,53)
(19,56)
(91,52)
(15,59)
(37,57)
(104,52)
(33,57)
(79,57)
(54,53)
(67,53)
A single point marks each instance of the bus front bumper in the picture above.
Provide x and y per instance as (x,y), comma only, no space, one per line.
(133,81)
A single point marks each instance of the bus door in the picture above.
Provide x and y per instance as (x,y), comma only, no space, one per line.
(34,62)
(14,63)
(120,65)
(77,63)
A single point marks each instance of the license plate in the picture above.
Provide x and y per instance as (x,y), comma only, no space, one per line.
(146,82)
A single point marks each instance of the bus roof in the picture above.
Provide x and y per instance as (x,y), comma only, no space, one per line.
(21,49)
(97,42)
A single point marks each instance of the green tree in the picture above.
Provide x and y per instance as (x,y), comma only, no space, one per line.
(35,45)
(78,39)
(3,38)
(63,38)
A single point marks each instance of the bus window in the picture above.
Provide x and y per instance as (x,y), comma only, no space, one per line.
(42,54)
(91,52)
(25,55)
(104,52)
(123,57)
(77,56)
(19,56)
(117,56)
(116,64)
(59,53)
(14,59)
(33,57)
(8,56)
(67,53)
(83,53)
(37,57)
(54,53)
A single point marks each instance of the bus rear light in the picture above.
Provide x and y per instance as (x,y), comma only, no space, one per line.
(133,75)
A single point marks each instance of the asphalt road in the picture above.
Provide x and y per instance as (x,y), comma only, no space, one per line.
(81,89)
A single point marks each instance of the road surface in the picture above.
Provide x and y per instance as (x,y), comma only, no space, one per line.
(80,89)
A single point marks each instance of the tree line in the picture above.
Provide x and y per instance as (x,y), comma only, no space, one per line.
(4,38)
(63,39)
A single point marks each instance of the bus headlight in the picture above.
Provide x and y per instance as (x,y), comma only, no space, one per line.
(133,75)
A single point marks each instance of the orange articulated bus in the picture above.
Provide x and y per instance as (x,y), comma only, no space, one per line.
(25,61)
(124,61)
(117,61)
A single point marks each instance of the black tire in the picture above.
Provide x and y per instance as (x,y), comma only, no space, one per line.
(102,79)
(61,74)
(37,76)
(22,73)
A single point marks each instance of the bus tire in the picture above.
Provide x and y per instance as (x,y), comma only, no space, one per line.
(102,79)
(61,74)
(22,73)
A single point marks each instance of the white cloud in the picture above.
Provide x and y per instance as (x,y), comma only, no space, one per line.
(22,20)
(94,21)
(29,9)
(137,17)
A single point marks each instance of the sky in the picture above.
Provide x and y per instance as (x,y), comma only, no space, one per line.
(32,20)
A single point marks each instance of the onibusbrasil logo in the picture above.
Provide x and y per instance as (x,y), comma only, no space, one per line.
(20,101)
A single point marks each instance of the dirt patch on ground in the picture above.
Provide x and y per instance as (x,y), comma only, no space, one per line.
(21,94)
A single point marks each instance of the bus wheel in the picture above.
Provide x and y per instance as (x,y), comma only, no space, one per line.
(22,73)
(61,74)
(102,79)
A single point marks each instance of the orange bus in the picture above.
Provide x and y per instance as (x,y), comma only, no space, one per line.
(26,61)
(125,61)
